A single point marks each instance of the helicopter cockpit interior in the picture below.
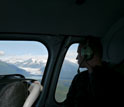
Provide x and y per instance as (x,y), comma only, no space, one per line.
(39,41)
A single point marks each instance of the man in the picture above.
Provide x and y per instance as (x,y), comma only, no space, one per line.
(97,86)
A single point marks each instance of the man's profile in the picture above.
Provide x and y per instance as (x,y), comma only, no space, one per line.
(99,84)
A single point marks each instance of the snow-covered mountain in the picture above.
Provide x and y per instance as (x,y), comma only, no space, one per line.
(6,68)
(35,66)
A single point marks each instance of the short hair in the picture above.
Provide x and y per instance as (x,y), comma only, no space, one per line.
(95,44)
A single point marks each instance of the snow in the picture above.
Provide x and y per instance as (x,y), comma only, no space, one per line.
(29,61)
(32,71)
(20,61)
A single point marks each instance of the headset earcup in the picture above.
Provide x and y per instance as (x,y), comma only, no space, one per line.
(87,52)
(84,53)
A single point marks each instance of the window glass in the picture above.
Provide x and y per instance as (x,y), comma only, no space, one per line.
(68,71)
(23,57)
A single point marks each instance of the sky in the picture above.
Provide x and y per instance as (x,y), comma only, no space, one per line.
(12,48)
(72,53)
(31,48)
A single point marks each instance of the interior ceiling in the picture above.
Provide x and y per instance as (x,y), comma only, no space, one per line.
(116,47)
(113,43)
(94,17)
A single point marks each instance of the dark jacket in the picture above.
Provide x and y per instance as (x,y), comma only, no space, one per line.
(103,87)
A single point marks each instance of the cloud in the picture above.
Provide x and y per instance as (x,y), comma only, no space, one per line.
(2,53)
(71,56)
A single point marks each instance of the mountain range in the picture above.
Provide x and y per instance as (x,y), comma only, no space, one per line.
(6,68)
(35,67)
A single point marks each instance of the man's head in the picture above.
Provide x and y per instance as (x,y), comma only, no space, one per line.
(90,52)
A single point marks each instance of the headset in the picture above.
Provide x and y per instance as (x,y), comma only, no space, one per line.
(87,52)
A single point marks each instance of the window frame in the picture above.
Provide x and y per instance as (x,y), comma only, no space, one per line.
(68,42)
(49,41)
(26,40)
(61,69)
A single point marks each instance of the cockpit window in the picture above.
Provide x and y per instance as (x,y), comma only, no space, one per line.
(67,73)
(23,57)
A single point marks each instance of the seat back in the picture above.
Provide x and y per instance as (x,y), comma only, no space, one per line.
(13,91)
